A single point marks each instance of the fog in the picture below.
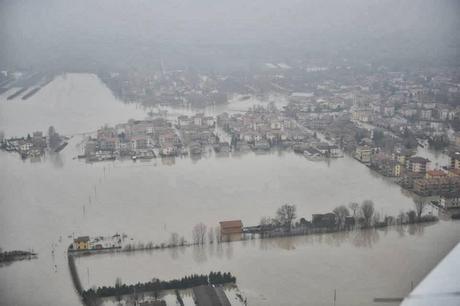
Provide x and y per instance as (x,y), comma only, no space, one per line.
(116,34)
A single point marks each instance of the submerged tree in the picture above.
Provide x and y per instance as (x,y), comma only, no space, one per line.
(420,206)
(341,212)
(367,210)
(354,207)
(286,214)
(174,239)
(199,233)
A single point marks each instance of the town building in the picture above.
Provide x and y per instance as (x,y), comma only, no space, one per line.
(435,173)
(364,154)
(417,164)
(450,202)
(231,227)
(81,243)
(455,160)
(439,186)
(324,220)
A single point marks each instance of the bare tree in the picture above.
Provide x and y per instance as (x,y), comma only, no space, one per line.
(199,233)
(341,212)
(286,214)
(174,239)
(367,210)
(420,206)
(354,207)
(211,235)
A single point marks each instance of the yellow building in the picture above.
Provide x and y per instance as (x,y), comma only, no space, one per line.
(453,172)
(455,160)
(81,243)
(363,154)
(397,170)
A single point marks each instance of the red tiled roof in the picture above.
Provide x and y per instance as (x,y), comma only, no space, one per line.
(232,223)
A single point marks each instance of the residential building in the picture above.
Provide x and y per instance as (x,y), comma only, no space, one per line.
(450,202)
(231,227)
(435,173)
(417,164)
(455,160)
(440,186)
(324,220)
(364,154)
(81,243)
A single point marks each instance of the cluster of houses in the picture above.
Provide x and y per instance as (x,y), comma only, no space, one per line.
(86,243)
(135,139)
(262,128)
(33,146)
(198,132)
(259,129)
(414,172)
(147,139)
(176,87)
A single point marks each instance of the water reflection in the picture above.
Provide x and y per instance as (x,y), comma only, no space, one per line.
(168,161)
(366,238)
(229,250)
(199,253)
(56,160)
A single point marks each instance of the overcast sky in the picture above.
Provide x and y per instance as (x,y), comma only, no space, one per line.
(37,33)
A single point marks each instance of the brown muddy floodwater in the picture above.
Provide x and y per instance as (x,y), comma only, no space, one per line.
(302,270)
(44,203)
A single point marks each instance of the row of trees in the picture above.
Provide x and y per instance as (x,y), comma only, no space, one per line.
(16,255)
(201,234)
(363,214)
(285,215)
(367,216)
(155,286)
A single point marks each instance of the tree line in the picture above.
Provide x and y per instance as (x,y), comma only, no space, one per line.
(6,256)
(354,215)
(155,286)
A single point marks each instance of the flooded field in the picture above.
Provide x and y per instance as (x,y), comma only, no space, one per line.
(299,270)
(45,203)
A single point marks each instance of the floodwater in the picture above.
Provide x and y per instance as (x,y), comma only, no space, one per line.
(45,203)
(302,270)
(72,103)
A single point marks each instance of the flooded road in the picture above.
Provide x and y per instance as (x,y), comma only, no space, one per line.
(45,203)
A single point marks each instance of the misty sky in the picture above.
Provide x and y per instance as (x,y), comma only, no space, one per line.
(94,33)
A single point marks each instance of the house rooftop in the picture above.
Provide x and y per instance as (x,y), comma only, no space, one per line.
(436,172)
(232,223)
(418,159)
